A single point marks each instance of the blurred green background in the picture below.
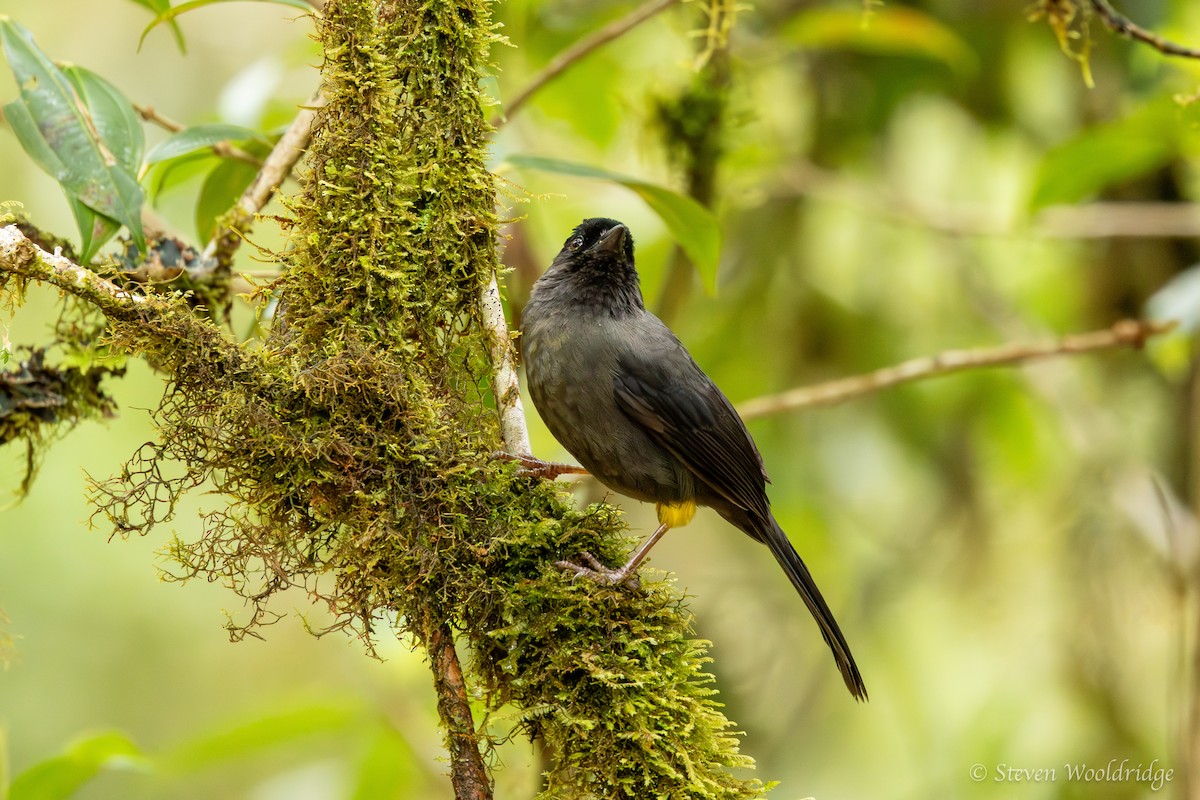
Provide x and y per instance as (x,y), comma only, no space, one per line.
(1011,553)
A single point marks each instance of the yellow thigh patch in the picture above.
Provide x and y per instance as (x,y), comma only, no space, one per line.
(675,515)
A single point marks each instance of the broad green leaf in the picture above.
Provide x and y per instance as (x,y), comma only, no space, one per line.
(117,122)
(389,763)
(171,13)
(262,734)
(692,226)
(199,137)
(1108,154)
(95,229)
(220,191)
(168,174)
(23,126)
(62,776)
(884,31)
(83,163)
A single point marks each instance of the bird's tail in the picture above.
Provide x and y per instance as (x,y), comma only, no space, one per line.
(773,536)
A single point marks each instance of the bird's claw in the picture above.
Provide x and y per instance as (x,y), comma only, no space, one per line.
(598,572)
(536,468)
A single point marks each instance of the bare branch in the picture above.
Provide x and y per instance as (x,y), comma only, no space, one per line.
(1126,333)
(467,771)
(577,51)
(1123,26)
(274,172)
(1096,220)
(1115,220)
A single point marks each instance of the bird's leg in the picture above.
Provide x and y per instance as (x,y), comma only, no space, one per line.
(598,572)
(536,468)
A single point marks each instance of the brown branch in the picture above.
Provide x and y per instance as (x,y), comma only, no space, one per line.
(1126,333)
(275,170)
(1096,220)
(1123,26)
(577,51)
(467,771)
(1115,220)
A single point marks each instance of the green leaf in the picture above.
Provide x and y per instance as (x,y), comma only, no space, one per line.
(171,13)
(59,133)
(95,229)
(117,122)
(220,191)
(29,136)
(389,763)
(173,172)
(882,31)
(1108,154)
(199,137)
(262,734)
(693,227)
(62,776)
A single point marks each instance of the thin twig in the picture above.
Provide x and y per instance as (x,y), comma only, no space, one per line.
(1116,220)
(577,51)
(1126,333)
(222,149)
(505,386)
(1096,220)
(1123,26)
(274,172)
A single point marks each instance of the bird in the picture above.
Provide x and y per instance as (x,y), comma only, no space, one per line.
(623,396)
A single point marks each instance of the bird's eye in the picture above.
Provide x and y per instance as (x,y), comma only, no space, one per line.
(575,243)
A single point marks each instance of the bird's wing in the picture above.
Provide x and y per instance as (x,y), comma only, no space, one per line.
(665,392)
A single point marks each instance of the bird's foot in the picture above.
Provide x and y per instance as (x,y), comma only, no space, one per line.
(600,573)
(536,468)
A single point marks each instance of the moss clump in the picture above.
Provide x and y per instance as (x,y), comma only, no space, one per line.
(39,401)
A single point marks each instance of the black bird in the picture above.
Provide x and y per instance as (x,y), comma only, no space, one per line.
(622,394)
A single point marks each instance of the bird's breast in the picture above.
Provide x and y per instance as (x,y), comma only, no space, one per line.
(570,361)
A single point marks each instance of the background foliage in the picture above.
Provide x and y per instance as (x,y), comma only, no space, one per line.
(1015,587)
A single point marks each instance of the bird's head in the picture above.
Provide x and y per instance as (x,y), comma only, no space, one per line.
(597,243)
(595,268)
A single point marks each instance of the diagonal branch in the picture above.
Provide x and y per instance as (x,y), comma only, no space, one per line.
(1126,333)
(275,170)
(577,51)
(1123,26)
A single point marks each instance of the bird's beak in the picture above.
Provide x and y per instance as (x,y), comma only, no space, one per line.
(613,241)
